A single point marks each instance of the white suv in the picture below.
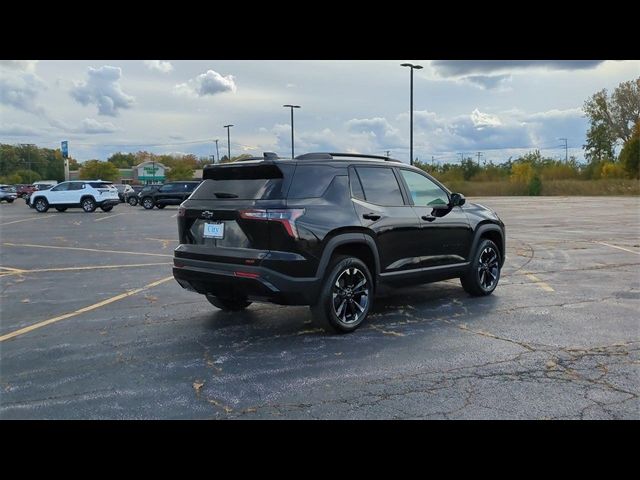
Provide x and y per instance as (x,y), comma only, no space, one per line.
(85,194)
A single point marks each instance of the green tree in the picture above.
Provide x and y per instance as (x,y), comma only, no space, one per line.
(180,172)
(73,164)
(123,160)
(27,176)
(630,154)
(611,119)
(97,170)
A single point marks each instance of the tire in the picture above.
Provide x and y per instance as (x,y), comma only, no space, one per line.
(88,205)
(161,206)
(41,205)
(10,200)
(133,201)
(484,273)
(107,209)
(344,300)
(61,209)
(228,304)
(147,203)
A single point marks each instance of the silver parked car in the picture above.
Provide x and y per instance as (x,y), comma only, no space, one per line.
(8,193)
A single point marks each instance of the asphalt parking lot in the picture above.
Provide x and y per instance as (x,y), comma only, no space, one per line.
(94,326)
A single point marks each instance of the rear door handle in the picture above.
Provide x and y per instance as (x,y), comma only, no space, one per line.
(371,216)
(428,218)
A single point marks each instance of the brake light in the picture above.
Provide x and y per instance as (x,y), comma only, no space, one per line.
(287,217)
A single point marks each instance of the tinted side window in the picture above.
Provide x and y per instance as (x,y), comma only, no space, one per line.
(356,186)
(63,187)
(311,181)
(190,187)
(169,187)
(380,186)
(75,186)
(423,191)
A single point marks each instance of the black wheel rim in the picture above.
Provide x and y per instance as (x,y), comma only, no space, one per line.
(488,268)
(350,295)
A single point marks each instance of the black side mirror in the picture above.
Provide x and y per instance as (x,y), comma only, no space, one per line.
(457,200)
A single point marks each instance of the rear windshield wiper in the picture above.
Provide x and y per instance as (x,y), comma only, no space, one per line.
(225,195)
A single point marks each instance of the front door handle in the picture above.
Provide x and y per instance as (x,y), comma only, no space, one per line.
(428,218)
(371,216)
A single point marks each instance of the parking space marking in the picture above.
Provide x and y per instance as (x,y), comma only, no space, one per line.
(86,249)
(15,271)
(89,308)
(544,286)
(619,248)
(39,217)
(111,216)
(11,270)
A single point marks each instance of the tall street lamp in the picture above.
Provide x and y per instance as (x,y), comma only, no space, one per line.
(217,152)
(228,127)
(292,107)
(412,67)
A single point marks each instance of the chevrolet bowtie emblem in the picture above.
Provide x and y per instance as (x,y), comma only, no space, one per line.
(206,214)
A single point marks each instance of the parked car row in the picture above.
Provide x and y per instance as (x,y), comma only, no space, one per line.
(8,193)
(85,194)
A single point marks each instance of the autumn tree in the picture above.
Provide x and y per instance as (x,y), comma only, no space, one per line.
(97,170)
(180,172)
(611,119)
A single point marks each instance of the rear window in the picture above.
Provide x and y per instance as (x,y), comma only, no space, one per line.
(256,182)
(311,181)
(100,184)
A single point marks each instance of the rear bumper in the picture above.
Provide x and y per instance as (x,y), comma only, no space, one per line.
(254,283)
(108,202)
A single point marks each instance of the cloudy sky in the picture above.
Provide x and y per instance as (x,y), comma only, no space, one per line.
(501,108)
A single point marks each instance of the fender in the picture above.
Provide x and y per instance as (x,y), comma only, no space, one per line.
(347,238)
(485,227)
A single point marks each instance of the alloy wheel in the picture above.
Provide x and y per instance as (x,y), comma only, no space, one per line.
(488,268)
(350,295)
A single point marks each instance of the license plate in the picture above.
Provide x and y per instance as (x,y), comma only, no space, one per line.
(214,230)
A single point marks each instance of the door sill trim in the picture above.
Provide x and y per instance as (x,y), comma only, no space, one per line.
(425,269)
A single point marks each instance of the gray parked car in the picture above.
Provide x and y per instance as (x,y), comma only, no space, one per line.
(8,193)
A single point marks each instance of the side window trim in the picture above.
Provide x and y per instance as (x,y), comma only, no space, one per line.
(353,173)
(404,190)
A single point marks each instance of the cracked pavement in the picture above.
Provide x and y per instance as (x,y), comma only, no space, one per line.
(558,339)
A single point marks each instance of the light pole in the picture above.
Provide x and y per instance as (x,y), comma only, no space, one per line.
(217,152)
(292,107)
(412,67)
(228,127)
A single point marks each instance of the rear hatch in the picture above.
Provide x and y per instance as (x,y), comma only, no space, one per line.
(227,218)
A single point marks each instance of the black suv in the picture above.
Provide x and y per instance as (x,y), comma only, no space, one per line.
(173,193)
(325,230)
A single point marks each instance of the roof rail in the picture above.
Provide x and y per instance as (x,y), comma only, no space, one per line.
(331,156)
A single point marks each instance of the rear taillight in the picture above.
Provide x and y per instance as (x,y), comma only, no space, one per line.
(287,217)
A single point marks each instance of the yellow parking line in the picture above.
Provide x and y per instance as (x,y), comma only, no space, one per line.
(11,270)
(619,248)
(14,271)
(39,217)
(111,216)
(544,286)
(44,323)
(86,249)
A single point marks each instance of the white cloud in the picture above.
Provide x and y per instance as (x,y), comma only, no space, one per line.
(28,66)
(209,83)
(481,120)
(102,88)
(20,91)
(92,126)
(448,68)
(17,130)
(159,66)
(378,129)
